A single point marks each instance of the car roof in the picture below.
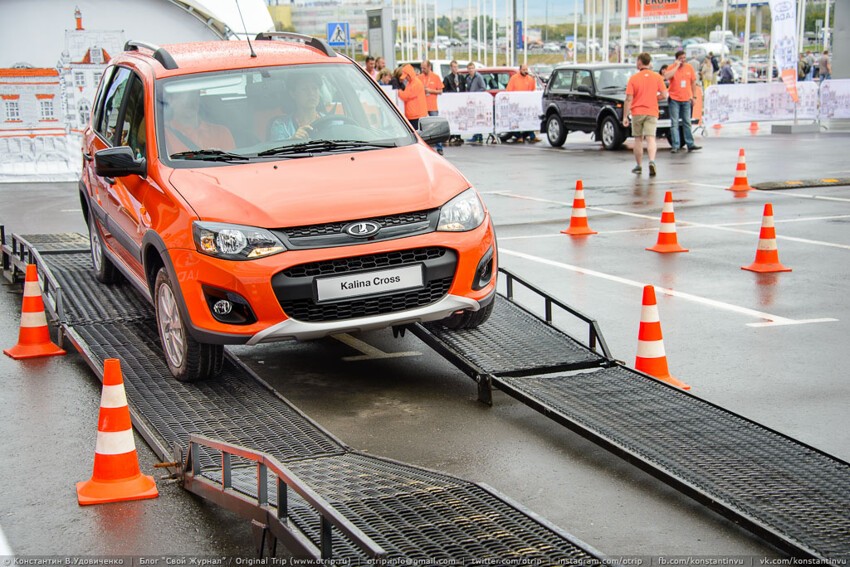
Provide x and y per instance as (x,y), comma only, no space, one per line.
(201,57)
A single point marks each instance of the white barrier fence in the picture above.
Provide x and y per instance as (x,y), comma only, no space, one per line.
(769,101)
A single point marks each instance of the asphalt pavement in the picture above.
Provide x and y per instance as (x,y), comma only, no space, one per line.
(766,346)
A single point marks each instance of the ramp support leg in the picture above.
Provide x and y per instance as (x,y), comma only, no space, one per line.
(485,389)
(263,539)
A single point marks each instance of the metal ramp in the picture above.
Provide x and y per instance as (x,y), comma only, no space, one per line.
(242,445)
(790,494)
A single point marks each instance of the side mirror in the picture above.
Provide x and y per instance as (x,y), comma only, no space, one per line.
(584,89)
(119,162)
(434,129)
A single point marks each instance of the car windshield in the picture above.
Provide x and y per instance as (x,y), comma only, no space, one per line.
(613,78)
(278,112)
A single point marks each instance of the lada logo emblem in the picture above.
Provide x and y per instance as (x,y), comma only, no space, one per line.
(363,229)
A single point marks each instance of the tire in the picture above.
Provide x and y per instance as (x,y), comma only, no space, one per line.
(104,269)
(556,133)
(187,359)
(468,319)
(611,133)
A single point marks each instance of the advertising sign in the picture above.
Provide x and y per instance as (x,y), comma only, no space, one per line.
(658,11)
(784,16)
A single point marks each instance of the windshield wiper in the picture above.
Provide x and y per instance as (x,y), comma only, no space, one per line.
(209,155)
(324,146)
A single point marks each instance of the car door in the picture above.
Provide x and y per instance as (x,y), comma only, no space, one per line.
(119,199)
(583,101)
(560,86)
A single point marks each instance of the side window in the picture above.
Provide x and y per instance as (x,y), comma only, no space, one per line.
(583,79)
(133,122)
(563,80)
(504,78)
(108,119)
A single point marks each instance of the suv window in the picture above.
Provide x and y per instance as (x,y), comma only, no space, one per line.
(584,79)
(133,128)
(108,121)
(562,80)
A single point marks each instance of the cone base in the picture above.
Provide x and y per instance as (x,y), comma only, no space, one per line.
(103,492)
(578,231)
(19,351)
(673,382)
(666,248)
(740,188)
(765,268)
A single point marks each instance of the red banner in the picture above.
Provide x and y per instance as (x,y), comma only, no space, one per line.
(658,11)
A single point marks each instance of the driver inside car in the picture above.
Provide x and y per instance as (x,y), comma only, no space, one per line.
(305,94)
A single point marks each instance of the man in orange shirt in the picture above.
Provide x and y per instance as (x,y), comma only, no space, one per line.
(522,81)
(433,87)
(412,94)
(644,90)
(683,83)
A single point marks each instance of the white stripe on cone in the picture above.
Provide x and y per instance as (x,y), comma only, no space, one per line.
(32,289)
(115,442)
(37,319)
(113,397)
(581,212)
(649,314)
(667,227)
(767,244)
(650,349)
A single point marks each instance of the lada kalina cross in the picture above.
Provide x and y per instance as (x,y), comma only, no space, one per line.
(257,193)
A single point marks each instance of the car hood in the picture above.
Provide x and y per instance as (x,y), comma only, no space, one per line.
(320,189)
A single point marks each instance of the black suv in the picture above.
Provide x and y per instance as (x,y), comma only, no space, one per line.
(590,98)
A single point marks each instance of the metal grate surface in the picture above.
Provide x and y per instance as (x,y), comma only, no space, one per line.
(759,473)
(89,300)
(419,515)
(514,342)
(234,407)
(68,242)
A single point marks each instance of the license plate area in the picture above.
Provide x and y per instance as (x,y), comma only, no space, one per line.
(362,284)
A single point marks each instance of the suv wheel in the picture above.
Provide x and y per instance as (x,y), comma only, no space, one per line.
(104,269)
(612,135)
(555,131)
(468,319)
(187,359)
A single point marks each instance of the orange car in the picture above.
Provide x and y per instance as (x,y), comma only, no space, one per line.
(271,191)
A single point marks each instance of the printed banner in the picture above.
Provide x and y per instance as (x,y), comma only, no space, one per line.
(784,35)
(518,111)
(658,11)
(759,101)
(468,113)
(835,99)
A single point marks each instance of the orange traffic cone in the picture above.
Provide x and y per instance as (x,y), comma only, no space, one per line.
(116,475)
(667,240)
(754,126)
(740,183)
(578,220)
(650,355)
(767,254)
(34,336)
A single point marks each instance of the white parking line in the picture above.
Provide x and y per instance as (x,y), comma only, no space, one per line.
(5,549)
(769,319)
(369,352)
(813,197)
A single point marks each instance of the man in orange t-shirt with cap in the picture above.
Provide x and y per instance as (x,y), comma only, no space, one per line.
(683,82)
(644,90)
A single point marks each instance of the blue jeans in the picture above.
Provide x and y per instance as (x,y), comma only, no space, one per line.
(435,113)
(680,110)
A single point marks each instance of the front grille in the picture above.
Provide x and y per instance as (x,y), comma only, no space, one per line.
(336,227)
(294,286)
(370,262)
(308,310)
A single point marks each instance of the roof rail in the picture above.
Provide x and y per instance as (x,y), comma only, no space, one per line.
(310,41)
(160,54)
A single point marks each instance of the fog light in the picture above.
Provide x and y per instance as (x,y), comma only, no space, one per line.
(222,307)
(484,271)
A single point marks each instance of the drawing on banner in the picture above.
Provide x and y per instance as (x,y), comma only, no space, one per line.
(517,111)
(468,113)
(756,102)
(835,99)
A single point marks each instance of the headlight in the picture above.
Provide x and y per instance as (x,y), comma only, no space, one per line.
(464,212)
(234,242)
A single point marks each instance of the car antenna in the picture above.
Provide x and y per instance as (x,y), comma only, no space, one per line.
(247,35)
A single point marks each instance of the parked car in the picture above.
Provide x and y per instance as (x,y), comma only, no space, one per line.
(496,78)
(239,231)
(589,98)
(542,71)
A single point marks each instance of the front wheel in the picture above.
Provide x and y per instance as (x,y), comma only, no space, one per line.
(468,319)
(104,269)
(612,134)
(556,132)
(187,359)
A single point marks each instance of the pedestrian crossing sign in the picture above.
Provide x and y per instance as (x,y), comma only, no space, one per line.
(338,34)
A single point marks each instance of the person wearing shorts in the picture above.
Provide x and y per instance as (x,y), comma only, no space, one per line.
(645,88)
